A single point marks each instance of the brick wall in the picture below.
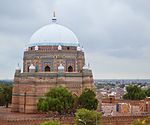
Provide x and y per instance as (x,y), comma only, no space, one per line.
(115,120)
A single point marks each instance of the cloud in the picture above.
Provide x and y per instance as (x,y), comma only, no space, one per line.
(115,34)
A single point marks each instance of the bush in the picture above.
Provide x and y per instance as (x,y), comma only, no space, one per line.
(52,122)
(87,117)
(56,99)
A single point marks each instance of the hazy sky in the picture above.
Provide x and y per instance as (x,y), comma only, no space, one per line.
(114,33)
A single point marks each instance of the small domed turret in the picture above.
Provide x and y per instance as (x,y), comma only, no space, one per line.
(18,69)
(36,48)
(78,48)
(59,47)
(32,68)
(61,68)
(26,48)
(89,67)
(86,70)
(85,67)
(82,49)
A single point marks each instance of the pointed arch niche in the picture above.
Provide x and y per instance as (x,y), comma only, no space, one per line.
(70,69)
(47,69)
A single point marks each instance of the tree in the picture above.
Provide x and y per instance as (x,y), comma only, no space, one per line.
(87,117)
(147,92)
(88,100)
(56,99)
(52,122)
(134,93)
(5,94)
(145,121)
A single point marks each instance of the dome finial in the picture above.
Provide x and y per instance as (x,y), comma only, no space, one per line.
(54,20)
(54,14)
(18,65)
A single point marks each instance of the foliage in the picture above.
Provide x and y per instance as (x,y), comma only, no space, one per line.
(134,93)
(103,85)
(141,122)
(52,122)
(56,99)
(75,104)
(147,92)
(88,100)
(87,117)
(5,94)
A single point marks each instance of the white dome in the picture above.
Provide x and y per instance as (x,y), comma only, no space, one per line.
(78,48)
(36,47)
(53,34)
(85,67)
(59,47)
(18,68)
(61,67)
(32,66)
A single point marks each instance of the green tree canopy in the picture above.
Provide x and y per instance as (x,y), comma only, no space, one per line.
(5,94)
(56,99)
(87,117)
(145,121)
(134,93)
(88,100)
(147,92)
(52,122)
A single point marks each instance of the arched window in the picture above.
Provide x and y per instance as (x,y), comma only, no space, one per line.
(70,69)
(47,69)
(28,69)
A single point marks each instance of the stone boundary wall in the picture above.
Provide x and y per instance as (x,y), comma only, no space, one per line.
(120,120)
(36,121)
(110,120)
(133,102)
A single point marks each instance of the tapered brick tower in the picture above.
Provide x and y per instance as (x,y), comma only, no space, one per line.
(53,58)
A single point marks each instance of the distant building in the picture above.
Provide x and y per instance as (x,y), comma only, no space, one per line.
(117,107)
(52,58)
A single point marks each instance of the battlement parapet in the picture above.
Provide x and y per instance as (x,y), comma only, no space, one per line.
(53,74)
(112,120)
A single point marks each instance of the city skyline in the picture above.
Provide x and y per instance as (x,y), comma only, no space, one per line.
(115,34)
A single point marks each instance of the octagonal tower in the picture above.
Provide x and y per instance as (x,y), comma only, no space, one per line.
(53,58)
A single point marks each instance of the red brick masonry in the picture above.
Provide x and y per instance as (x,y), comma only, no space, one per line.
(9,118)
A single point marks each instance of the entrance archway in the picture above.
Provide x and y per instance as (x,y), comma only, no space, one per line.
(28,69)
(70,69)
(47,69)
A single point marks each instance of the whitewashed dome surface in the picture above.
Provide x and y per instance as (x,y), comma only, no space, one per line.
(61,67)
(53,35)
